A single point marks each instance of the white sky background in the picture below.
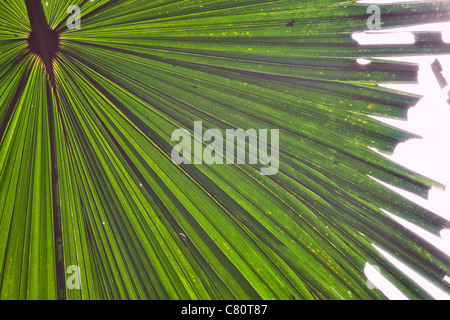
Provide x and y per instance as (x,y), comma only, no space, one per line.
(430,155)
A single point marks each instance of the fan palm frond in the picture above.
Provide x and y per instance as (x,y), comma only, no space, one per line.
(87,179)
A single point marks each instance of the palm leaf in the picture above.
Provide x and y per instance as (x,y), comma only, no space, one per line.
(86,176)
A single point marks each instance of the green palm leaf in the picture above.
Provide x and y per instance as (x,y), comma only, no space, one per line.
(87,179)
